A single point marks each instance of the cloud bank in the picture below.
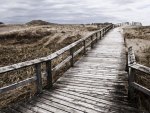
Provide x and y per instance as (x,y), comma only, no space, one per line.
(75,11)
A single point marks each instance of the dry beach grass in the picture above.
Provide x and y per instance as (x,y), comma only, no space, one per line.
(20,43)
(139,39)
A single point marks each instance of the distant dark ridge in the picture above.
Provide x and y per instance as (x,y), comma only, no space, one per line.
(1,23)
(39,22)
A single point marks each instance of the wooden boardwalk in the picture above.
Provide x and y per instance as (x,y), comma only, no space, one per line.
(96,84)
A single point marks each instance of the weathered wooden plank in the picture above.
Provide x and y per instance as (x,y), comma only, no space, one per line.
(79,51)
(49,74)
(94,93)
(78,100)
(103,81)
(17,85)
(69,103)
(131,56)
(22,109)
(141,68)
(99,98)
(84,45)
(72,57)
(59,105)
(89,107)
(46,106)
(141,88)
(62,64)
(101,89)
(11,110)
(36,109)
(39,78)
(92,100)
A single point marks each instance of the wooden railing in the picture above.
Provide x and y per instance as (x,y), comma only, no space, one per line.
(48,60)
(132,68)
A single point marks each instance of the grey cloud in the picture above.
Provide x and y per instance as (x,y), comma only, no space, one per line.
(123,2)
(66,11)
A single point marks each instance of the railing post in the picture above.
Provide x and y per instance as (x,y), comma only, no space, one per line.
(49,74)
(39,78)
(96,37)
(103,32)
(100,34)
(91,41)
(72,59)
(84,44)
(131,74)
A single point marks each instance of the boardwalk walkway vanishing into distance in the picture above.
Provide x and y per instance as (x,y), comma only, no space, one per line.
(96,84)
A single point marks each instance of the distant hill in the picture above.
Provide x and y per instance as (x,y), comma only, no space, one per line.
(38,22)
(1,23)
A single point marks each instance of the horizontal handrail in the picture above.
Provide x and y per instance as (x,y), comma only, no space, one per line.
(37,62)
(132,66)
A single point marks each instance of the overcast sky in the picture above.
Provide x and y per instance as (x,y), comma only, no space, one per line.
(75,11)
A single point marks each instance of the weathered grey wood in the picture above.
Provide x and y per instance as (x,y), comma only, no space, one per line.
(92,42)
(49,74)
(88,44)
(141,88)
(84,44)
(23,109)
(69,103)
(100,35)
(91,100)
(62,63)
(72,57)
(39,78)
(57,104)
(96,37)
(141,68)
(46,106)
(131,56)
(17,85)
(35,108)
(132,66)
(131,80)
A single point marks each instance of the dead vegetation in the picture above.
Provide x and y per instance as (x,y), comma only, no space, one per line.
(139,39)
(20,43)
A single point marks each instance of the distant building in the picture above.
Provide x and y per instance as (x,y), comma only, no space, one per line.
(136,24)
(129,24)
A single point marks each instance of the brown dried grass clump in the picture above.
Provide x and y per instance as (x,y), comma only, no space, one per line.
(28,36)
(139,39)
(27,44)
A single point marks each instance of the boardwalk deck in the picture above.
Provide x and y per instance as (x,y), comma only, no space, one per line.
(96,84)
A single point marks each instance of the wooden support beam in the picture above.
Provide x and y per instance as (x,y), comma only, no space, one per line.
(84,44)
(131,79)
(92,42)
(49,74)
(72,59)
(100,35)
(96,37)
(39,78)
